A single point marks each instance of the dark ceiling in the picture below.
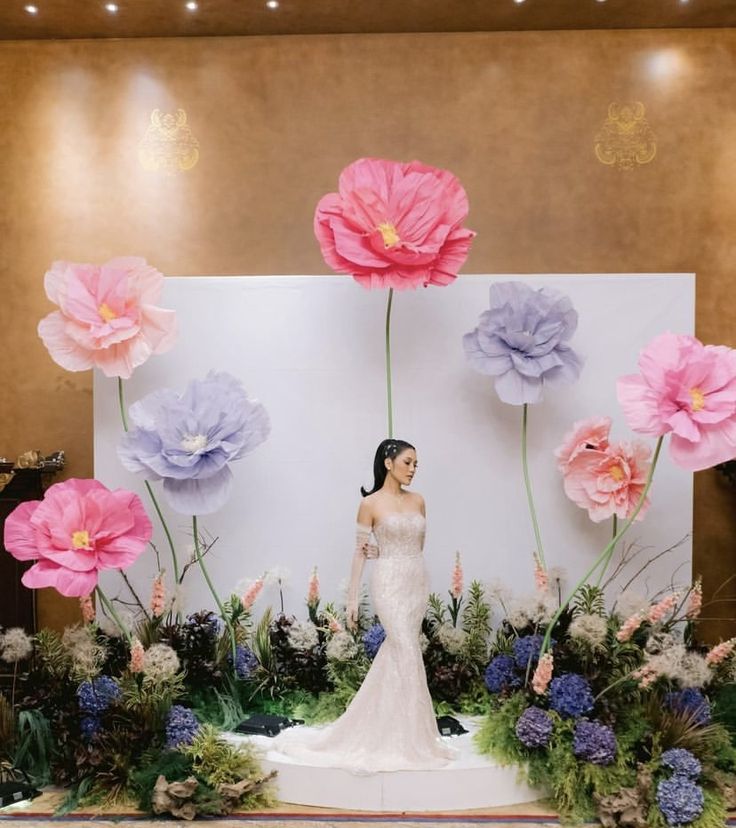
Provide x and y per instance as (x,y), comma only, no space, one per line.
(171,18)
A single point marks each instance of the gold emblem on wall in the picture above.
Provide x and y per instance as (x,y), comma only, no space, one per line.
(168,145)
(625,139)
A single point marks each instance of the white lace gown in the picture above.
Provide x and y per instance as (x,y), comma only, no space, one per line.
(390,724)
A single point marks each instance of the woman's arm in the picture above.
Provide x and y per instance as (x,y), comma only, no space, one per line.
(361,552)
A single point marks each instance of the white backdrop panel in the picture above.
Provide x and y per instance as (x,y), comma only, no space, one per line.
(311,349)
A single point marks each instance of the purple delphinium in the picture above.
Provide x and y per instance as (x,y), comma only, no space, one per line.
(534,727)
(691,701)
(189,440)
(372,640)
(594,742)
(181,726)
(526,650)
(680,800)
(501,674)
(570,695)
(245,662)
(522,341)
(682,762)
(96,696)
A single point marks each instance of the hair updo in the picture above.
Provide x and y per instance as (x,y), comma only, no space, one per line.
(387,450)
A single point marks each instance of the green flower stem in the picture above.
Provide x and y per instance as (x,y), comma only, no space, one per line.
(607,551)
(388,364)
(614,530)
(121,401)
(149,489)
(223,614)
(528,486)
(113,614)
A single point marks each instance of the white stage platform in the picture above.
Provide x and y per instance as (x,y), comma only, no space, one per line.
(470,781)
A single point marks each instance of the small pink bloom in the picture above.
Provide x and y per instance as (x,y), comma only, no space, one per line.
(658,611)
(253,591)
(609,482)
(107,316)
(158,596)
(689,390)
(79,528)
(543,674)
(137,657)
(541,578)
(456,590)
(87,608)
(313,591)
(334,625)
(720,652)
(585,435)
(646,675)
(630,626)
(695,601)
(394,225)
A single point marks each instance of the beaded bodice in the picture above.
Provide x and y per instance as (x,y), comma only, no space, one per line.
(400,535)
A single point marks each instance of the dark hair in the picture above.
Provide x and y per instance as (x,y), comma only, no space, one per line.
(386,449)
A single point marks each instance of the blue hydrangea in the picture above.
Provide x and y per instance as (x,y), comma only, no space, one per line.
(181,726)
(526,650)
(682,762)
(501,674)
(594,742)
(570,695)
(245,662)
(372,640)
(96,696)
(90,726)
(534,727)
(692,701)
(680,800)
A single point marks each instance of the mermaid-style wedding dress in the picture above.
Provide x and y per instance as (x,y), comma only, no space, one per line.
(390,724)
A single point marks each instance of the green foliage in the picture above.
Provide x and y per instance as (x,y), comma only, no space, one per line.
(496,737)
(51,655)
(34,746)
(437,611)
(589,600)
(477,625)
(724,708)
(216,762)
(328,706)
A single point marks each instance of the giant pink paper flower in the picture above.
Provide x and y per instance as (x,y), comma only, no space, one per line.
(107,316)
(394,225)
(79,528)
(585,435)
(609,482)
(689,390)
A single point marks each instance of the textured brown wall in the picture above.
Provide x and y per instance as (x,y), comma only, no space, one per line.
(513,115)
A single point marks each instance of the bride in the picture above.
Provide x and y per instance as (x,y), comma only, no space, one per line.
(390,724)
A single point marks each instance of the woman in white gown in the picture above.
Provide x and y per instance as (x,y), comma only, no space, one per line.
(390,724)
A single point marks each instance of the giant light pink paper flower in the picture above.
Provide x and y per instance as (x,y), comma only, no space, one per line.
(107,316)
(79,528)
(689,390)
(609,482)
(394,225)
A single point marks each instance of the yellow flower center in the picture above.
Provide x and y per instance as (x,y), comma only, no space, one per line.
(106,312)
(617,473)
(388,231)
(80,539)
(698,399)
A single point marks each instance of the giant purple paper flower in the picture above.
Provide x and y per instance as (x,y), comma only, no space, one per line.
(522,340)
(188,440)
